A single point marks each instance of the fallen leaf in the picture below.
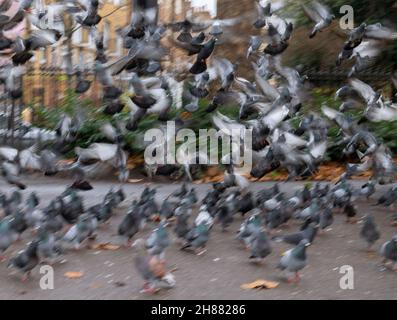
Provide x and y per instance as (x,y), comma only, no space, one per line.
(105,246)
(260,284)
(185,115)
(73,274)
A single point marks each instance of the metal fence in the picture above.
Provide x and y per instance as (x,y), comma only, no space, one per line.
(334,76)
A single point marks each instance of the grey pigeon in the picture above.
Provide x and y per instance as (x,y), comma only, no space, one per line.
(224,216)
(197,238)
(10,172)
(131,224)
(151,269)
(7,235)
(388,198)
(389,252)
(326,218)
(26,260)
(309,233)
(321,15)
(369,231)
(158,240)
(248,229)
(181,225)
(260,246)
(367,190)
(83,230)
(294,260)
(48,248)
(167,209)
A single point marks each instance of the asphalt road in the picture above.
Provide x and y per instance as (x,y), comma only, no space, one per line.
(217,274)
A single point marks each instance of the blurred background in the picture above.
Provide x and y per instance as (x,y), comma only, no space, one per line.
(47,84)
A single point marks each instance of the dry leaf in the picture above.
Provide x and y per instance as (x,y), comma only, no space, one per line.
(260,284)
(185,115)
(105,246)
(73,274)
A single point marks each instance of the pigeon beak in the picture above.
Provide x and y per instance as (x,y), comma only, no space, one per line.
(307,244)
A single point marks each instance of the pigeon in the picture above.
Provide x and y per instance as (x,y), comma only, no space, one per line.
(263,13)
(82,85)
(260,246)
(367,190)
(274,218)
(309,233)
(206,50)
(388,198)
(326,218)
(351,211)
(167,209)
(224,216)
(7,235)
(102,212)
(369,231)
(18,222)
(246,203)
(321,15)
(89,16)
(294,260)
(197,238)
(254,45)
(10,172)
(181,226)
(71,205)
(151,269)
(83,230)
(389,252)
(180,193)
(48,249)
(131,224)
(248,229)
(158,241)
(26,261)
(204,216)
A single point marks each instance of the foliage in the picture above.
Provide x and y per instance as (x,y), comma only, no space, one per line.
(368,11)
(90,130)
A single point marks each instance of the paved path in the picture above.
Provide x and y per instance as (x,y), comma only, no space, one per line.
(218,273)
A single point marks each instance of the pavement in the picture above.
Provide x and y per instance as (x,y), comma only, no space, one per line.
(218,273)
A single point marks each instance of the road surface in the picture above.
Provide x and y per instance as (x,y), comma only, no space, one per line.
(217,274)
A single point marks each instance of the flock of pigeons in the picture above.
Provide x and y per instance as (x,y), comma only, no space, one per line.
(267,106)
